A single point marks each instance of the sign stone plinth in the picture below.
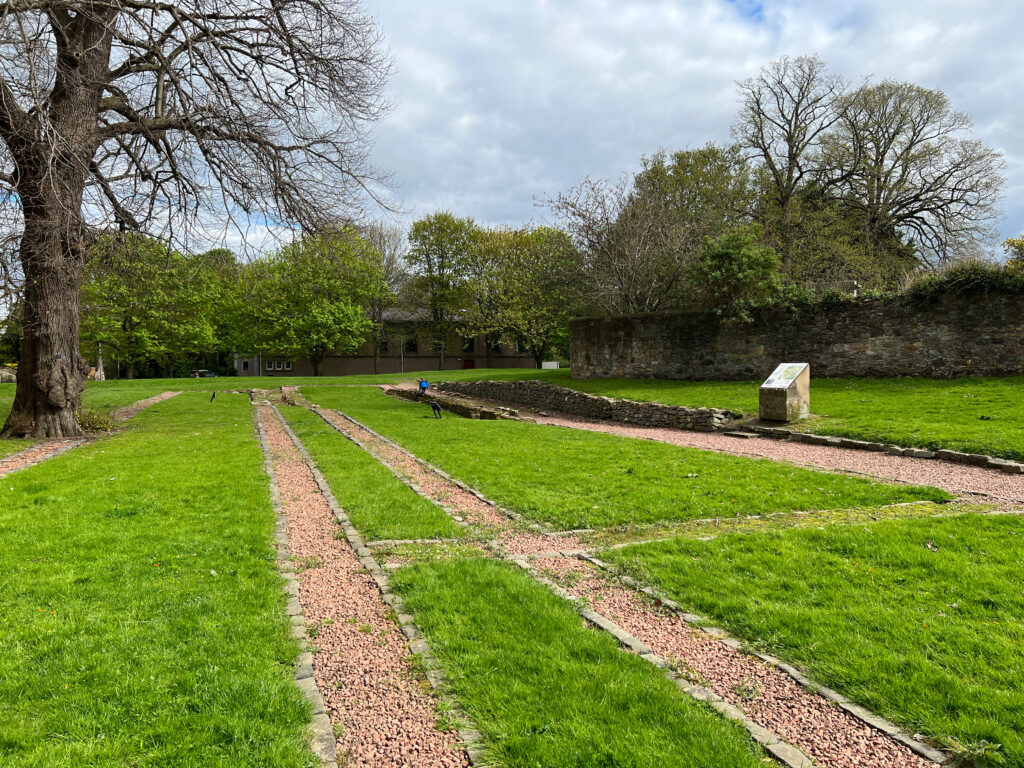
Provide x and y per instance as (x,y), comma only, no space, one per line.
(786,394)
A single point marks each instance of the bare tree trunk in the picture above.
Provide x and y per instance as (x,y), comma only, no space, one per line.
(131,370)
(51,374)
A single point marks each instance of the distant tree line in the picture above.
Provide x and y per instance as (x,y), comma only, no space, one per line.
(824,185)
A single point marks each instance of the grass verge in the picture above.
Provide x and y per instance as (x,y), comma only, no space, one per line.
(572,478)
(543,690)
(143,620)
(380,505)
(918,620)
(977,415)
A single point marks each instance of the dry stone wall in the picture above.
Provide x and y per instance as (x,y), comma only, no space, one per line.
(951,336)
(542,396)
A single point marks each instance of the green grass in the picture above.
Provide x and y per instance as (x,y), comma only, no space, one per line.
(142,620)
(573,478)
(921,621)
(543,690)
(929,413)
(380,505)
(7,447)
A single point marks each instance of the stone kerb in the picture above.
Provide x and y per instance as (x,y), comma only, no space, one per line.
(543,396)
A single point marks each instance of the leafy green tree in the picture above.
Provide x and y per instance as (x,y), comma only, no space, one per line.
(10,337)
(388,249)
(308,299)
(541,290)
(736,273)
(486,277)
(1014,248)
(146,302)
(707,191)
(442,246)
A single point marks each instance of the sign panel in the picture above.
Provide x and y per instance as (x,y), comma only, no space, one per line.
(784,375)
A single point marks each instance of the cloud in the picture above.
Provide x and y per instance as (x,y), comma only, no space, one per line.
(503,103)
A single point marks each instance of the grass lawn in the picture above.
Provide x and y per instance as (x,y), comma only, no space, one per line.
(978,415)
(921,621)
(380,505)
(543,690)
(576,479)
(142,620)
(7,447)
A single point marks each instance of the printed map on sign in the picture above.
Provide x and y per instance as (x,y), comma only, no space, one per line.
(784,375)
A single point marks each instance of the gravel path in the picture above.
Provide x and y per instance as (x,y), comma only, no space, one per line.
(361,665)
(36,454)
(772,699)
(957,479)
(461,503)
(123,414)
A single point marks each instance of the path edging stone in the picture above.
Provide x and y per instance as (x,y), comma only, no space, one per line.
(771,742)
(470,736)
(322,740)
(699,622)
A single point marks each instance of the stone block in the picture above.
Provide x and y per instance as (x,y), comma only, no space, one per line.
(786,394)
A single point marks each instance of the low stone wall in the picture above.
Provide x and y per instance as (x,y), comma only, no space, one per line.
(955,335)
(542,396)
(453,404)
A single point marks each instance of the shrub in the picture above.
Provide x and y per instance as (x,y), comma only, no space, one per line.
(736,273)
(969,277)
(94,420)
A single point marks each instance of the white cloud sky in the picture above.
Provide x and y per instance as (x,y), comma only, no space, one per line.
(501,103)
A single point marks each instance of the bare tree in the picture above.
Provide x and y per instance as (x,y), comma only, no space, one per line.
(783,115)
(903,159)
(632,256)
(143,115)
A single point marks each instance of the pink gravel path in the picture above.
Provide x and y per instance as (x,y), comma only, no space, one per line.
(35,454)
(955,478)
(362,664)
(448,494)
(123,414)
(827,734)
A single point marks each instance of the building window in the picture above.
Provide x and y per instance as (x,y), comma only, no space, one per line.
(469,345)
(245,365)
(287,365)
(412,347)
(270,365)
(278,365)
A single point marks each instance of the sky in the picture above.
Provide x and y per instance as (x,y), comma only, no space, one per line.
(499,106)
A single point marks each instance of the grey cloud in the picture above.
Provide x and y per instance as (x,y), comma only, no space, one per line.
(500,103)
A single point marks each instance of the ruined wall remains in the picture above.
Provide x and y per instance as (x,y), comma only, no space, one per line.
(957,335)
(542,396)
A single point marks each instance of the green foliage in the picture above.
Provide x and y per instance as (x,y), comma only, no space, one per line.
(522,282)
(973,276)
(308,299)
(976,754)
(440,256)
(143,301)
(735,274)
(10,338)
(95,420)
(917,620)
